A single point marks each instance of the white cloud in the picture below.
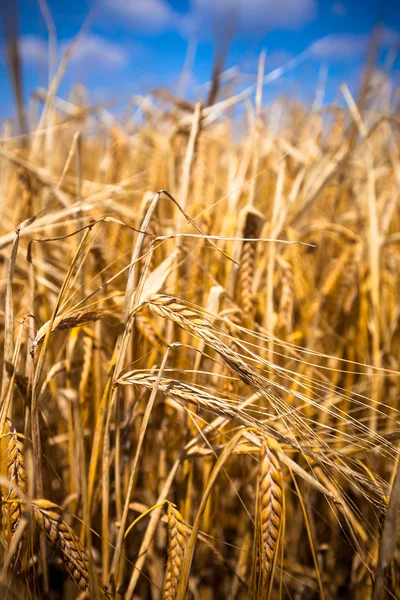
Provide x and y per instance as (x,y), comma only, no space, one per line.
(94,50)
(91,50)
(339,9)
(151,16)
(341,46)
(206,16)
(251,16)
(347,46)
(33,50)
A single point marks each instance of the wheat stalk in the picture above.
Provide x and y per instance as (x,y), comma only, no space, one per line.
(286,297)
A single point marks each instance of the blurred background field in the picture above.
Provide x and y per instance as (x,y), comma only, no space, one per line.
(199,317)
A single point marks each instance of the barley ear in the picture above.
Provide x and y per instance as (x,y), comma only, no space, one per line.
(176,550)
(17,476)
(269,516)
(73,554)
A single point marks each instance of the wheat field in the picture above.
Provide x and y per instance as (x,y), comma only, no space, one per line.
(200,345)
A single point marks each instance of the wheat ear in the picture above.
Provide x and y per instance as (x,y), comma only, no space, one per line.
(73,553)
(17,476)
(176,549)
(76,319)
(190,320)
(149,332)
(247,261)
(270,494)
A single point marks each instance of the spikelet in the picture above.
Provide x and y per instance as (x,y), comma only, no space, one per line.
(17,476)
(270,504)
(174,310)
(76,319)
(176,550)
(184,393)
(251,230)
(149,332)
(73,553)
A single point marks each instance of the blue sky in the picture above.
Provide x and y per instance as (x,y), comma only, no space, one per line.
(132,46)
